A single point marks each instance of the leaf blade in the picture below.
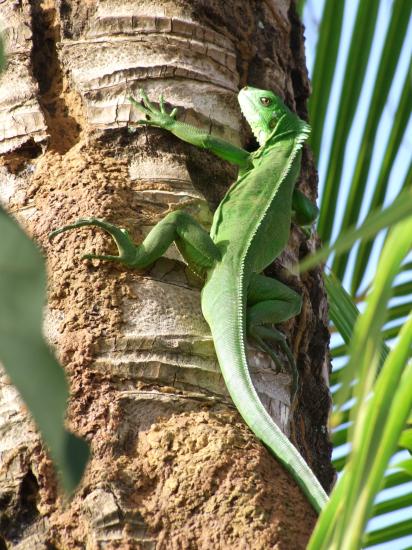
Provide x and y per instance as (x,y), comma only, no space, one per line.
(393,43)
(398,210)
(22,349)
(352,82)
(324,69)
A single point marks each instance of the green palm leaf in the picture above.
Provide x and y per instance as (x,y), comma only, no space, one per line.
(397,133)
(330,29)
(378,420)
(399,209)
(352,83)
(31,365)
(373,336)
(390,53)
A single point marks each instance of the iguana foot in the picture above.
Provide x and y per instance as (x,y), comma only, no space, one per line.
(127,250)
(255,334)
(154,116)
(272,302)
(279,338)
(260,334)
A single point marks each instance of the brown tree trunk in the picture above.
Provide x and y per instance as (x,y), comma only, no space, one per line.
(174,465)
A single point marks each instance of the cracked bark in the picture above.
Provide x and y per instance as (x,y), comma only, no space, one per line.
(173,464)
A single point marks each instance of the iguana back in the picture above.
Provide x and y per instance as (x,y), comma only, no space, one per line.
(253,220)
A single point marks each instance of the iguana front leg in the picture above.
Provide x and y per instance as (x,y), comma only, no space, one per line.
(193,241)
(200,138)
(304,211)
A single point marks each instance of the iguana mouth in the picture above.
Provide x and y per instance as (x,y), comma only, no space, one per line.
(252,115)
(246,104)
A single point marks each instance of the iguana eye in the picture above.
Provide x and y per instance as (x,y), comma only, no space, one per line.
(266,101)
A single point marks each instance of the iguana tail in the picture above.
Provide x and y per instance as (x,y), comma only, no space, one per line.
(223,307)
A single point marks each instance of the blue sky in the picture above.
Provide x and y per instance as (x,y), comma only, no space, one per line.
(312,17)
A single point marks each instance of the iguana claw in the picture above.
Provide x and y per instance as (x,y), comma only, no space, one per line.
(125,246)
(101,257)
(154,116)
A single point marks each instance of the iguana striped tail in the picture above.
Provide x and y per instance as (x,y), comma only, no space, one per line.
(228,332)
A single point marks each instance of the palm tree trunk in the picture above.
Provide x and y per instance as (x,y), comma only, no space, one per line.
(173,465)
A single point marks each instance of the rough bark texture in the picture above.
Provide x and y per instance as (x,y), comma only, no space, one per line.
(174,466)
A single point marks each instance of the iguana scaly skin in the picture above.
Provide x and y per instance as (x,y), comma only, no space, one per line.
(250,229)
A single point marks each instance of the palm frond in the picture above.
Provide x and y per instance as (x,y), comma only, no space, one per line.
(356,65)
(398,129)
(380,409)
(377,332)
(31,365)
(325,63)
(392,46)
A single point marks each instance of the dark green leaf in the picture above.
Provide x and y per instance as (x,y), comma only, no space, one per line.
(391,532)
(395,35)
(392,504)
(405,474)
(395,138)
(339,437)
(380,409)
(300,5)
(398,210)
(398,311)
(403,289)
(356,64)
(28,361)
(325,63)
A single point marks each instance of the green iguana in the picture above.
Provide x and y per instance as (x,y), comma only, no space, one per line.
(250,229)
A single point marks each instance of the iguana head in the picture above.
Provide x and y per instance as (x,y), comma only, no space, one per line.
(263,110)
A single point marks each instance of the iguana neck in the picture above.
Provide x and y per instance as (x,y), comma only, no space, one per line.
(288,126)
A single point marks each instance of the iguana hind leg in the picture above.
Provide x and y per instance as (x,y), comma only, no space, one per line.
(270,301)
(192,239)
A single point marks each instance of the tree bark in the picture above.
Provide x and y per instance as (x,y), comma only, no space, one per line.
(173,466)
